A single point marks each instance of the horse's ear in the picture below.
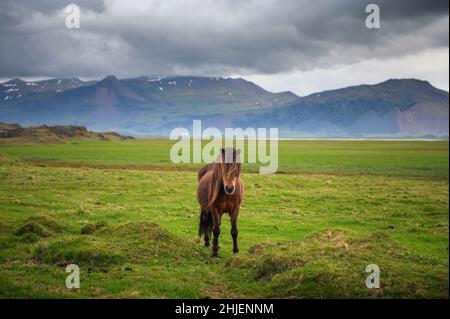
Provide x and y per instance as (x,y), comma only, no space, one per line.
(222,150)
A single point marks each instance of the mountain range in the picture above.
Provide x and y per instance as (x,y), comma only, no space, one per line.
(154,105)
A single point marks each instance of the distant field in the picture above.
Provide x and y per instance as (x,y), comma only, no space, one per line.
(408,158)
(129,218)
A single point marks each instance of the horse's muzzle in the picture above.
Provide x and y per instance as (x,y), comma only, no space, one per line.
(229,191)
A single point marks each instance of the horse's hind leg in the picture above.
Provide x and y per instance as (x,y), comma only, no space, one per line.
(207,236)
(205,226)
(208,229)
(234,231)
(216,232)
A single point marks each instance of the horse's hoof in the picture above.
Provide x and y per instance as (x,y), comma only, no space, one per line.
(214,254)
(235,250)
(207,245)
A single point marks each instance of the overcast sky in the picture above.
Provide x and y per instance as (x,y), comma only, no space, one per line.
(301,45)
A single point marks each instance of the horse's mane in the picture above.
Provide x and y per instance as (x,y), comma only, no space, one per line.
(205,169)
(220,170)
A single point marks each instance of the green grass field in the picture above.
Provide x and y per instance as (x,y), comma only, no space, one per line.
(128,217)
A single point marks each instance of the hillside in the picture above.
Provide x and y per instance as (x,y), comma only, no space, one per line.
(403,108)
(15,134)
(155,105)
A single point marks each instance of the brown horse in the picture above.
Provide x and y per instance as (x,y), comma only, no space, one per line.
(220,190)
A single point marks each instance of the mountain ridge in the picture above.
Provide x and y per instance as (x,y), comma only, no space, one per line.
(154,105)
(395,107)
(16,134)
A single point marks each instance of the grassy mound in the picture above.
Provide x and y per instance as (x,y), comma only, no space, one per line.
(40,225)
(273,264)
(50,222)
(331,264)
(146,240)
(145,229)
(78,251)
(133,242)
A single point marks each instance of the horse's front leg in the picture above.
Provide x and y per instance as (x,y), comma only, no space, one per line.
(216,232)
(234,230)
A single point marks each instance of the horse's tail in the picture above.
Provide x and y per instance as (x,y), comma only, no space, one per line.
(205,224)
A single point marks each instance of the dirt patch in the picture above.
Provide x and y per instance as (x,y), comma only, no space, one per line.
(9,160)
(266,265)
(32,228)
(91,228)
(219,291)
(333,238)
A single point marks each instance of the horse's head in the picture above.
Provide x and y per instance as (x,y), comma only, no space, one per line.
(230,168)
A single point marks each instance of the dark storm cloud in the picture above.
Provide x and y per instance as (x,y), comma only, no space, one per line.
(210,37)
(412,8)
